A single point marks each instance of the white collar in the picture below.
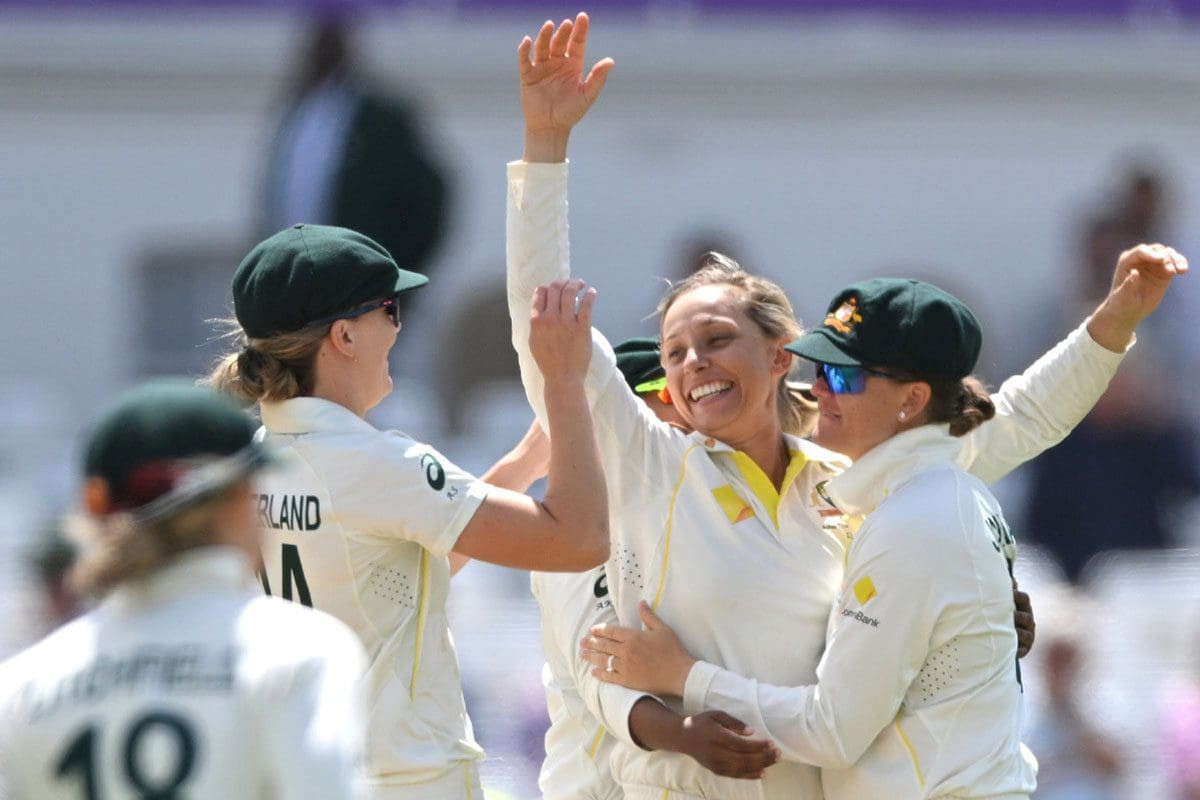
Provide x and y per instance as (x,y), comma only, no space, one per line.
(311,415)
(203,569)
(887,466)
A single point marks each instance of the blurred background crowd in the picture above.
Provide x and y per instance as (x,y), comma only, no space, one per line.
(1006,149)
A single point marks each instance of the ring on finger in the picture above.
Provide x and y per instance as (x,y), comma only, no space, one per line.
(609,666)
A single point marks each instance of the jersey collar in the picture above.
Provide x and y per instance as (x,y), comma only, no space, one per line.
(310,415)
(203,569)
(885,468)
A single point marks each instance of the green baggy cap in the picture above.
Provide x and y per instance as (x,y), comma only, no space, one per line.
(312,272)
(639,361)
(168,443)
(896,322)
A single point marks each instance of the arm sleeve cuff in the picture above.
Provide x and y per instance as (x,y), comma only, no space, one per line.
(1095,350)
(695,688)
(477,492)
(616,703)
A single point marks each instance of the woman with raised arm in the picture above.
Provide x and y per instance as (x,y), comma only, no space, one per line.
(360,521)
(723,531)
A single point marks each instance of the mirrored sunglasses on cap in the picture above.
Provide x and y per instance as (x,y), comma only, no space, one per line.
(846,380)
(389,304)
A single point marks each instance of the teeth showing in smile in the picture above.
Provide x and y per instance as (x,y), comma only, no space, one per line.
(707,389)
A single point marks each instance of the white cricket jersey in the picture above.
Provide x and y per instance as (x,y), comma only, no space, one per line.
(358,524)
(918,693)
(746,578)
(187,683)
(577,746)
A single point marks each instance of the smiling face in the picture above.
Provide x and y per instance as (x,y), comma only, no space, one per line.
(723,370)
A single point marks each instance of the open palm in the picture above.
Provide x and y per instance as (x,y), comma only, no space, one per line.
(554,92)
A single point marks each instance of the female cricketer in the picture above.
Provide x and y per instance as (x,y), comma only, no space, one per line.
(359,522)
(184,681)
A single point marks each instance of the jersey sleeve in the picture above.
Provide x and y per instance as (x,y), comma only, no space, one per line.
(568,618)
(313,718)
(411,492)
(631,439)
(1038,408)
(880,628)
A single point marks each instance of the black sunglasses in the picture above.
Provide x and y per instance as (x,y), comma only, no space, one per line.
(388,304)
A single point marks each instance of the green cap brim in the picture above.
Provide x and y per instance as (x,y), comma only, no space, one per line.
(655,385)
(817,346)
(410,280)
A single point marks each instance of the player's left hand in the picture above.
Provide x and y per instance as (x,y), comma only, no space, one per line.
(649,660)
(1140,282)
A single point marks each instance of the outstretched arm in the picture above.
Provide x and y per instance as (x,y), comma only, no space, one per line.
(555,95)
(1037,409)
(568,529)
(516,470)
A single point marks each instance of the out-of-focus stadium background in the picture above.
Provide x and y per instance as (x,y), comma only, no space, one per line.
(1004,149)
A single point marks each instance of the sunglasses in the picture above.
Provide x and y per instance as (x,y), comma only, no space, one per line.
(847,380)
(388,304)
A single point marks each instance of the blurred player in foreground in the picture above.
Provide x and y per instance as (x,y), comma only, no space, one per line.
(184,681)
(360,522)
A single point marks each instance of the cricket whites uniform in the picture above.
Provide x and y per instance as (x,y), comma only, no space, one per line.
(745,576)
(186,683)
(918,693)
(359,523)
(577,746)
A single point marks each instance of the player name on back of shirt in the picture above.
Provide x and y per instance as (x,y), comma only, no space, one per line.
(154,669)
(291,512)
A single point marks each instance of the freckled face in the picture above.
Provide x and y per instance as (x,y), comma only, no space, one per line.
(722,369)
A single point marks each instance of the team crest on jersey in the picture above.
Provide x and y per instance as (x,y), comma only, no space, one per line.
(845,318)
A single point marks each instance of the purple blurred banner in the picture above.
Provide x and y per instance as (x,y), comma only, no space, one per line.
(1009,10)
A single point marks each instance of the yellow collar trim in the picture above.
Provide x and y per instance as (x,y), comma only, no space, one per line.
(761,485)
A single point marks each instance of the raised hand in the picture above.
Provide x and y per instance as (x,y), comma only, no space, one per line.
(555,94)
(1139,284)
(649,660)
(560,331)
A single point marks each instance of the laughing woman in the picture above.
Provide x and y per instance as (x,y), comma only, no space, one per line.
(724,532)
